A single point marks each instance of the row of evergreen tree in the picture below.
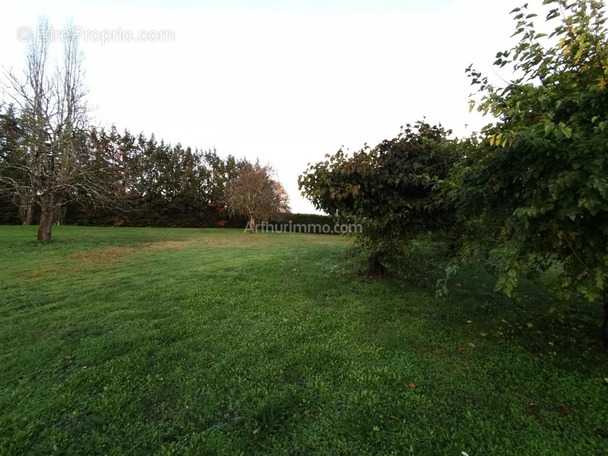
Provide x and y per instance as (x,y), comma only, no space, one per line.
(155,183)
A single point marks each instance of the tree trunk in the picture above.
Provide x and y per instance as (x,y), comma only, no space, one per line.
(26,210)
(59,215)
(605,325)
(46,219)
(252,226)
(29,215)
(375,267)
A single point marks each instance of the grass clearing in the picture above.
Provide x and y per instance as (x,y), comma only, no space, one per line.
(188,341)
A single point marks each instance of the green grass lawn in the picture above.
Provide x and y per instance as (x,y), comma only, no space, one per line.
(188,341)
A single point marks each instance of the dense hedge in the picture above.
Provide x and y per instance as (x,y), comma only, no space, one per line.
(9,214)
(205,217)
(301,223)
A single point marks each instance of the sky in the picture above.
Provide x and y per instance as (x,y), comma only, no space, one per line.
(285,82)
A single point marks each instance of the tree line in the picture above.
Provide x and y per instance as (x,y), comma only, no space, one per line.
(55,167)
(526,195)
(144,182)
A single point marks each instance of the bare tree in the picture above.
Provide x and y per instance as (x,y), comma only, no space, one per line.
(255,194)
(53,166)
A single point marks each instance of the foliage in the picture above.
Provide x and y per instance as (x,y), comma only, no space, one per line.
(155,183)
(541,169)
(390,190)
(10,161)
(255,194)
(172,341)
(314,223)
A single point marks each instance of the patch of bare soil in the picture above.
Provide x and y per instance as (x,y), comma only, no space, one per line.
(115,255)
(112,255)
(170,245)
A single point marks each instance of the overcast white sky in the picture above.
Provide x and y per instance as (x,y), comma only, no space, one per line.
(283,81)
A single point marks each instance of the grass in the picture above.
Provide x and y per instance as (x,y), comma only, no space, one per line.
(178,341)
